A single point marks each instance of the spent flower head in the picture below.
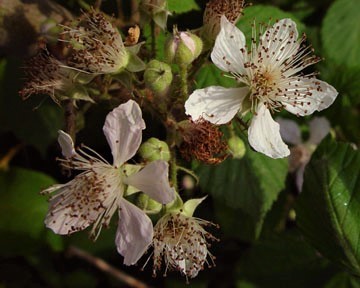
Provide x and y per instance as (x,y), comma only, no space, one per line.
(203,141)
(231,9)
(181,242)
(271,81)
(98,46)
(47,75)
(95,194)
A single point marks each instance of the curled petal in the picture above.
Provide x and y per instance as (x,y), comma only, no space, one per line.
(229,53)
(319,128)
(309,95)
(215,104)
(123,130)
(289,131)
(264,134)
(66,144)
(134,233)
(153,180)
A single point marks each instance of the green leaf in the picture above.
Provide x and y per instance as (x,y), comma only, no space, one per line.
(35,127)
(341,33)
(343,280)
(284,261)
(264,14)
(211,75)
(182,6)
(23,209)
(251,184)
(328,209)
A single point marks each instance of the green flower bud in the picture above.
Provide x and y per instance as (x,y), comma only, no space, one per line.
(158,76)
(154,149)
(148,204)
(237,147)
(182,48)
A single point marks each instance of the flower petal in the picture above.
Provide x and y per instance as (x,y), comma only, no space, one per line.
(264,134)
(280,42)
(123,130)
(66,144)
(289,131)
(67,213)
(215,104)
(319,128)
(229,53)
(153,180)
(304,95)
(134,233)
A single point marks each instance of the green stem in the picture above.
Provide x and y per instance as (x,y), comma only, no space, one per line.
(188,171)
(184,82)
(153,39)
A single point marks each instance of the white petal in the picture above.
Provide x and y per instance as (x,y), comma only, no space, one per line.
(289,131)
(319,128)
(215,104)
(279,42)
(134,233)
(66,144)
(264,135)
(307,95)
(67,213)
(80,202)
(153,180)
(123,130)
(226,53)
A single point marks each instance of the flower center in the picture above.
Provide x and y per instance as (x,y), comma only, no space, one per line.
(265,86)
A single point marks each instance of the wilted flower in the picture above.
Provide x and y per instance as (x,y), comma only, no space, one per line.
(203,141)
(181,240)
(270,73)
(300,153)
(47,75)
(231,9)
(95,194)
(98,46)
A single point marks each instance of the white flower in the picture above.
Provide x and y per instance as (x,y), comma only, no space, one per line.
(98,46)
(301,151)
(95,194)
(269,73)
(182,241)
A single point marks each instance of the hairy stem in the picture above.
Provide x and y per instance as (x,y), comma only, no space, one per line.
(184,82)
(70,118)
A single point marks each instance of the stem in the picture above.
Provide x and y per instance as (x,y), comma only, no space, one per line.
(97,5)
(188,171)
(4,161)
(70,118)
(105,267)
(153,38)
(173,169)
(84,5)
(184,82)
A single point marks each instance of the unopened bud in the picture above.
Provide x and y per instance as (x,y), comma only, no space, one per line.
(158,76)
(154,149)
(182,48)
(237,147)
